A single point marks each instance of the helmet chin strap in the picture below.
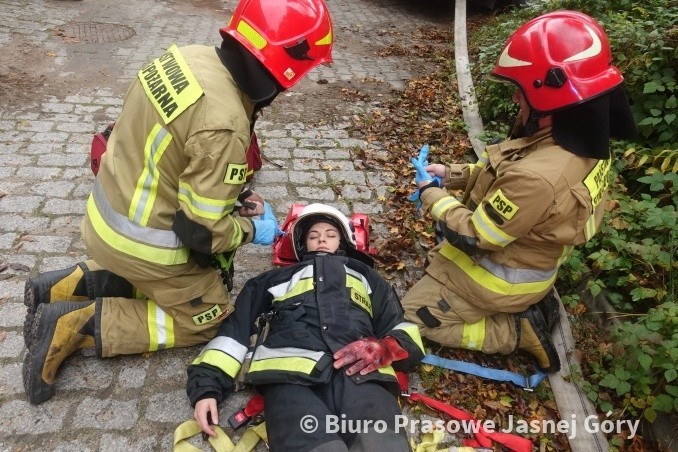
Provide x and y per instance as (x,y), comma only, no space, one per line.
(529,128)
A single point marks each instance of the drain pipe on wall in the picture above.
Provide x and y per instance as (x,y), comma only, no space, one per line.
(573,404)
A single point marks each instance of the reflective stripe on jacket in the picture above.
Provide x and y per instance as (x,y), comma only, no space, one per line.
(529,202)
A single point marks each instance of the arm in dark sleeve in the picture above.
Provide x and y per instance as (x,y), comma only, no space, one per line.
(213,372)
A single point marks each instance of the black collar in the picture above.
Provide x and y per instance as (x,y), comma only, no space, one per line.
(250,75)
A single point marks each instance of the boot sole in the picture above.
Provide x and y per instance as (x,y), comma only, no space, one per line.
(32,305)
(37,390)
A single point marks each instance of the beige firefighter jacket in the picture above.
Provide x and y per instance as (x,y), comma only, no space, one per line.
(527,203)
(177,152)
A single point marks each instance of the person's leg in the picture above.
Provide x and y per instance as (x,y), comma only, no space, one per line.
(447,319)
(374,410)
(182,310)
(296,419)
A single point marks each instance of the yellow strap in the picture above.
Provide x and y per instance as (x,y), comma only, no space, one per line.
(220,443)
(429,442)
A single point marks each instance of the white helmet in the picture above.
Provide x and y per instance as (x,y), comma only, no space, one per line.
(314,213)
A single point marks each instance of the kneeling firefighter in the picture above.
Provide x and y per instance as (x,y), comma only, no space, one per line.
(163,204)
(335,335)
(529,200)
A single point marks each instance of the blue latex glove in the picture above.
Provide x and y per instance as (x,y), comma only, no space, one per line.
(414,197)
(266,228)
(420,163)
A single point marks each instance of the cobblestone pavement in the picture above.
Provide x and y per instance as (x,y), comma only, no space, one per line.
(64,68)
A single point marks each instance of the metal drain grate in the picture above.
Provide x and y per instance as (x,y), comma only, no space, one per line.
(94,32)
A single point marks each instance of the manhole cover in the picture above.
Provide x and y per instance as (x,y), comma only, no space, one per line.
(94,32)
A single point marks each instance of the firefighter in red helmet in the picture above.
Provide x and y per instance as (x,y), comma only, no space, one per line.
(528,201)
(164,201)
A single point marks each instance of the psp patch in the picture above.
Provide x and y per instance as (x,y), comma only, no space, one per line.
(236,173)
(502,205)
(211,314)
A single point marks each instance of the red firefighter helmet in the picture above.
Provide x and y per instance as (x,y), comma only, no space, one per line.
(289,37)
(559,59)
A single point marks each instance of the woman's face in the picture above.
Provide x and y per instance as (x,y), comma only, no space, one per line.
(519,99)
(323,237)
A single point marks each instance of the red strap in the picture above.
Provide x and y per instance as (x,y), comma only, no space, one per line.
(482,436)
(254,406)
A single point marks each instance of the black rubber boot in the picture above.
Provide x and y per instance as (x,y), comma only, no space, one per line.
(550,309)
(76,283)
(59,329)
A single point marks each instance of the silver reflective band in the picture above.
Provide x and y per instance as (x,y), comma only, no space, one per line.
(227,345)
(516,275)
(121,224)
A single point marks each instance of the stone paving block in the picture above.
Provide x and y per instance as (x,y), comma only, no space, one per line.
(33,173)
(64,206)
(356,192)
(302,153)
(11,379)
(12,345)
(50,137)
(46,243)
(60,189)
(62,160)
(84,373)
(18,417)
(7,240)
(169,407)
(12,315)
(132,376)
(16,204)
(106,414)
(117,443)
(308,177)
(351,176)
(316,194)
(269,192)
(59,262)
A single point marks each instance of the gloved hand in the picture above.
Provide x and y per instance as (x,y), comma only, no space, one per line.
(266,228)
(369,354)
(420,163)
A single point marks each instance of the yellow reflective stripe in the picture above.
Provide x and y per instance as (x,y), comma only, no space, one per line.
(169,84)
(249,33)
(223,361)
(488,230)
(287,364)
(160,328)
(473,336)
(567,251)
(147,184)
(490,281)
(443,204)
(139,295)
(212,209)
(481,163)
(325,40)
(359,293)
(164,256)
(302,286)
(590,228)
(412,330)
(388,370)
(237,236)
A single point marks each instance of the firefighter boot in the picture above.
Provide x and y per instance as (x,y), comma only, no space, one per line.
(550,309)
(59,329)
(535,339)
(82,282)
